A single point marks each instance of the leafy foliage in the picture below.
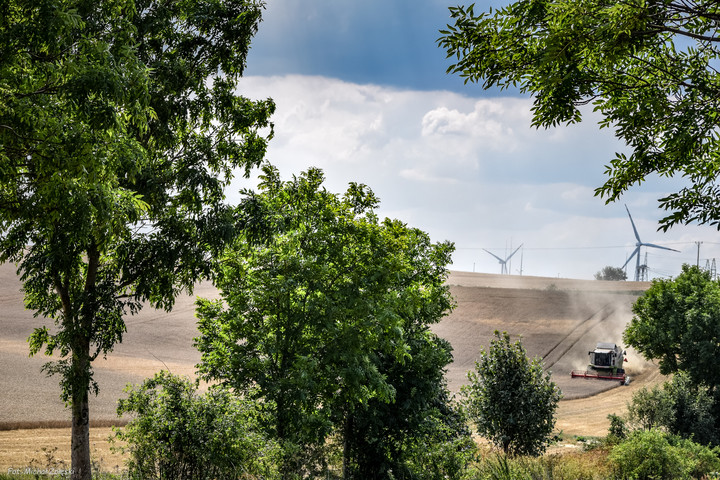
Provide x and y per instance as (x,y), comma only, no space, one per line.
(618,430)
(321,301)
(179,434)
(650,408)
(419,435)
(680,407)
(120,125)
(511,399)
(650,454)
(676,322)
(611,274)
(649,68)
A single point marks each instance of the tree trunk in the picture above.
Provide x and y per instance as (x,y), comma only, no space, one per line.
(80,442)
(80,385)
(80,381)
(346,446)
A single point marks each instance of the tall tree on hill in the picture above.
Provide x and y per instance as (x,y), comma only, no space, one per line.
(328,314)
(648,67)
(119,128)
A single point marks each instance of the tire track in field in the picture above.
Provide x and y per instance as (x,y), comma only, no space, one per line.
(568,341)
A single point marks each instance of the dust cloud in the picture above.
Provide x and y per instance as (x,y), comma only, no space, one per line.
(558,320)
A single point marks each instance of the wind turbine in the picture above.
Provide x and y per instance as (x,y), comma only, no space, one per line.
(503,263)
(638,245)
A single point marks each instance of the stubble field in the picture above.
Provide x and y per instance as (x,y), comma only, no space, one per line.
(559,320)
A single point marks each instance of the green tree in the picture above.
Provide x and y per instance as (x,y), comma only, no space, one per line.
(421,434)
(119,128)
(511,399)
(679,407)
(650,408)
(677,323)
(692,408)
(611,274)
(649,68)
(178,434)
(317,300)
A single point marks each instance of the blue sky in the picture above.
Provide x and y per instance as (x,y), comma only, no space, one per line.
(362,93)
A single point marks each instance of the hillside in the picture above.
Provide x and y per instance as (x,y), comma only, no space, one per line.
(558,319)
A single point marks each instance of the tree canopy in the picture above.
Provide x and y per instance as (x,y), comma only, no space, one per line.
(120,125)
(611,274)
(511,399)
(676,323)
(320,300)
(648,67)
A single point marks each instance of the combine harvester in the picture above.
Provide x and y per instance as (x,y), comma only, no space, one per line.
(606,363)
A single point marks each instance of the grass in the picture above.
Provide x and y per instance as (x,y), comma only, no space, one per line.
(575,465)
(586,459)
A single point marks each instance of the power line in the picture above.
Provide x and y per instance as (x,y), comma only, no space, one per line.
(597,247)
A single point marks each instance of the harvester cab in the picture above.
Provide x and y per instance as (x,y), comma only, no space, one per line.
(606,363)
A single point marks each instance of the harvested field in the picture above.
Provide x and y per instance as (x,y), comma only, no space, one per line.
(557,319)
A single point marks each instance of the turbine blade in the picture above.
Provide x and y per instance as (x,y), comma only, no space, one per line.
(499,259)
(508,258)
(637,249)
(633,225)
(659,246)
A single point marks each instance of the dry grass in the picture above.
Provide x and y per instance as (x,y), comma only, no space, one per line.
(50,447)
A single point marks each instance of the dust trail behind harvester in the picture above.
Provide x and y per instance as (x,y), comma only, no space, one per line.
(559,320)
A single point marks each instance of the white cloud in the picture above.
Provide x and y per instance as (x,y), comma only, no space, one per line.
(470,170)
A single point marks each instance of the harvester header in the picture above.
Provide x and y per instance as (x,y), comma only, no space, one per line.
(606,363)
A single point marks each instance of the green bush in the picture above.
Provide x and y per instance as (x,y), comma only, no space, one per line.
(618,431)
(653,455)
(178,434)
(679,407)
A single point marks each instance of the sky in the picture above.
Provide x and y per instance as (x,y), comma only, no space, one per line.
(362,92)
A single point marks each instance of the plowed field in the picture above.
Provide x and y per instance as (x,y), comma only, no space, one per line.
(557,319)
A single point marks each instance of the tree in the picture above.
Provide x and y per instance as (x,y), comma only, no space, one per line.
(680,407)
(650,408)
(511,399)
(317,299)
(611,274)
(421,434)
(647,67)
(119,128)
(676,322)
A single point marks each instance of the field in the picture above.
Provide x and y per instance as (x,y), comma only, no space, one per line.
(557,319)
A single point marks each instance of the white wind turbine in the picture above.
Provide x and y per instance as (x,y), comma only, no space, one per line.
(503,263)
(638,245)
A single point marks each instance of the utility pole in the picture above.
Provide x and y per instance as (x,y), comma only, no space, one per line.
(697,264)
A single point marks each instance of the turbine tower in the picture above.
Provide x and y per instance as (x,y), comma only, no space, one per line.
(503,263)
(638,245)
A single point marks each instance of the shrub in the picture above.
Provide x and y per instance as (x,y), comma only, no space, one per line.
(650,408)
(178,434)
(618,430)
(679,407)
(653,455)
(568,466)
